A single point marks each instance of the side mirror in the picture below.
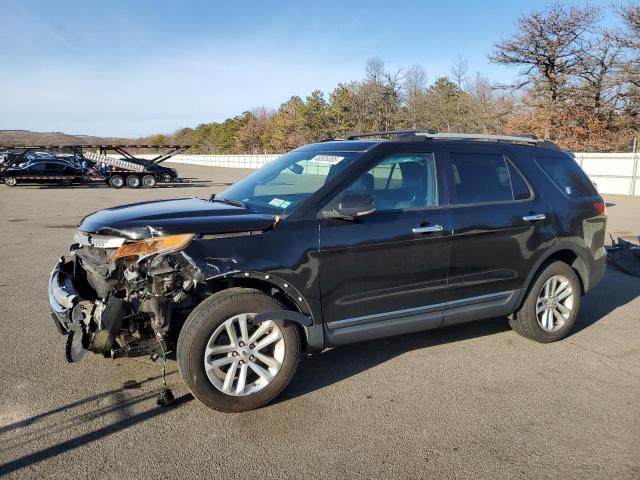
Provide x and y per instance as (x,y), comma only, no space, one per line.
(350,206)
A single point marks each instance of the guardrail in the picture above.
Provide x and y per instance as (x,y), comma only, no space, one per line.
(615,173)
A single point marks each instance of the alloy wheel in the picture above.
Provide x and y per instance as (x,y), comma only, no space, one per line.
(241,359)
(554,303)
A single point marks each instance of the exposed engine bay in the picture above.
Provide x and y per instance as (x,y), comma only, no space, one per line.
(122,306)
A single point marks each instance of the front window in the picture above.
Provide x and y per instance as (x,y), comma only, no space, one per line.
(285,183)
(399,182)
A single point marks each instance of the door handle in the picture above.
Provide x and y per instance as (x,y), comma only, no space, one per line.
(428,229)
(534,218)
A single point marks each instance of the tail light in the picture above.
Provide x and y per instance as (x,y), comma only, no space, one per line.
(600,207)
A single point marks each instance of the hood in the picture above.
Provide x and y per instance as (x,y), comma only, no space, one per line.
(169,217)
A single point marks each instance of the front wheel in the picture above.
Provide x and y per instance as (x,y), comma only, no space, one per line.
(229,364)
(550,310)
(10,182)
(166,178)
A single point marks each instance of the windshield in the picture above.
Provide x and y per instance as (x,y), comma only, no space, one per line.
(289,180)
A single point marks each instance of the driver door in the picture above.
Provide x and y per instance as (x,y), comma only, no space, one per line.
(385,273)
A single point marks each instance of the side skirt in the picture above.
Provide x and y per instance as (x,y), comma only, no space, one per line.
(428,317)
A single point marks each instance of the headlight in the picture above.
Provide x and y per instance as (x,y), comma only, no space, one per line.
(152,246)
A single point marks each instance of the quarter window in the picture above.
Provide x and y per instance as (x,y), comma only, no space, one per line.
(484,178)
(567,174)
(520,188)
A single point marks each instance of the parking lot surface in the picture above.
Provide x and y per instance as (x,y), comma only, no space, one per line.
(471,401)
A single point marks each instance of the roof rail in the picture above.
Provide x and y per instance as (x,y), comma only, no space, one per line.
(429,133)
(516,138)
(386,133)
(482,136)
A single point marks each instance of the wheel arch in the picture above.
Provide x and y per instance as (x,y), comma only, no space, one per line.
(563,253)
(311,330)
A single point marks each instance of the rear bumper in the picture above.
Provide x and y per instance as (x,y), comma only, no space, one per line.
(598,267)
(63,296)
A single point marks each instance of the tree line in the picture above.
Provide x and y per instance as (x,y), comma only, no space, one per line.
(577,84)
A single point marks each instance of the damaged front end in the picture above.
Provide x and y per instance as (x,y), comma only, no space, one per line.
(116,295)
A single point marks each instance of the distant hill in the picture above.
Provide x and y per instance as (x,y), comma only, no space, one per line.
(25,137)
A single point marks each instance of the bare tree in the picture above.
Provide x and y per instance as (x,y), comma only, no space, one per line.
(459,71)
(374,70)
(414,87)
(598,88)
(548,46)
(629,39)
(415,80)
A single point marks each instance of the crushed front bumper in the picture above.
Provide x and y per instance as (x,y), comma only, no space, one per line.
(63,296)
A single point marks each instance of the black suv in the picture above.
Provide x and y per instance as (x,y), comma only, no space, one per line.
(334,243)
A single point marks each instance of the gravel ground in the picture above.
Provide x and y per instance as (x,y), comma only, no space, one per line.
(471,401)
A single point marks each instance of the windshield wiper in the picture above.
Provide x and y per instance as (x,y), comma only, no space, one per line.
(228,201)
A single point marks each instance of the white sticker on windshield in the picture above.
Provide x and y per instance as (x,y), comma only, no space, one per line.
(278,202)
(330,159)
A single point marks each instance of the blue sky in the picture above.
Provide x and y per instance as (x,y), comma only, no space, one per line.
(130,68)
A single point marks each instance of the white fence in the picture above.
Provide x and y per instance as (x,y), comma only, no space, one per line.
(612,172)
(229,161)
(615,173)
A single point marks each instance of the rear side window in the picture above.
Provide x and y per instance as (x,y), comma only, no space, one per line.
(568,176)
(485,178)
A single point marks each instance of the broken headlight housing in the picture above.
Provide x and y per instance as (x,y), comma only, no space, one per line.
(153,246)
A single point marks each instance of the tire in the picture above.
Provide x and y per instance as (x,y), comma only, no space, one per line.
(10,182)
(166,178)
(200,328)
(533,324)
(66,182)
(148,181)
(133,181)
(116,181)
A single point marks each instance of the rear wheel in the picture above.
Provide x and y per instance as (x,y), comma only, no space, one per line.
(229,364)
(133,181)
(10,181)
(551,307)
(116,181)
(149,181)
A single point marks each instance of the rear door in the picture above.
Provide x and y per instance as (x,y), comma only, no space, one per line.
(500,228)
(386,272)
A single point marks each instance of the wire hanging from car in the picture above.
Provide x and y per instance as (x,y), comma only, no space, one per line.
(165,397)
